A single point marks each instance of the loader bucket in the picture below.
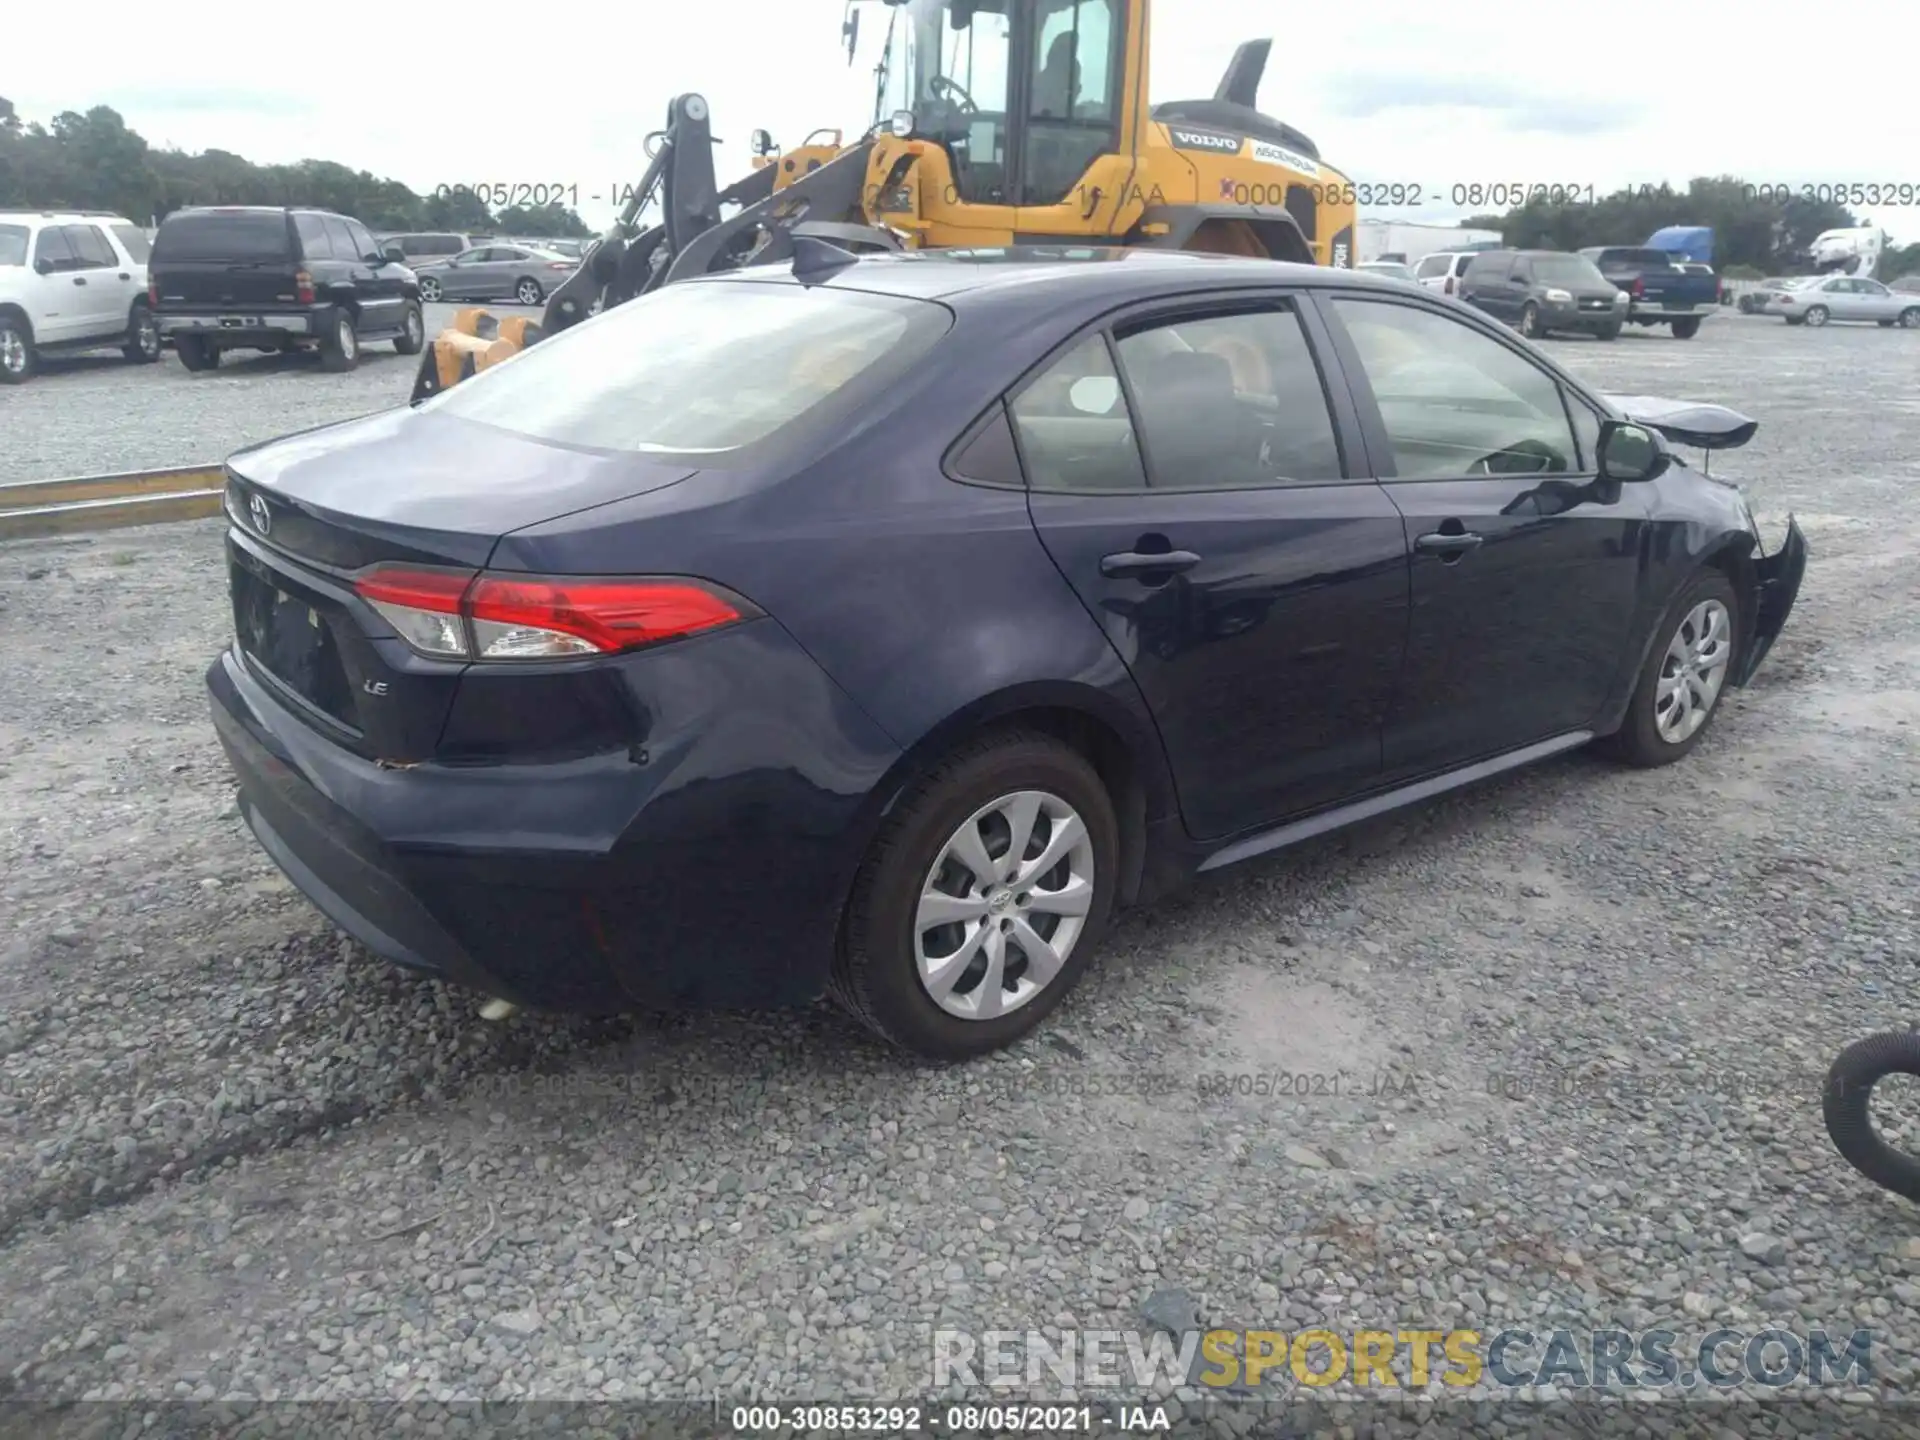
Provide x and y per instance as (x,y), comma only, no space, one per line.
(476,340)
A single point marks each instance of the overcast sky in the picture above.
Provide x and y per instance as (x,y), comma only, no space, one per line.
(1434,94)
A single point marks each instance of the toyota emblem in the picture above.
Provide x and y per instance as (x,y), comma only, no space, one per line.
(262,517)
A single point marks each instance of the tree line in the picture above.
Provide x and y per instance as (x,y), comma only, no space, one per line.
(93,161)
(1756,230)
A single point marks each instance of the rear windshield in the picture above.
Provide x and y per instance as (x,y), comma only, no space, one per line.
(13,244)
(1566,270)
(699,368)
(210,235)
(1637,259)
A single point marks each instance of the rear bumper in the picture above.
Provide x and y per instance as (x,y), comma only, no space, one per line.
(1644,311)
(705,877)
(239,327)
(1777,580)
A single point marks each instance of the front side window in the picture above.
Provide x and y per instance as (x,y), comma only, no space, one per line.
(1230,402)
(90,248)
(52,248)
(1455,402)
(339,239)
(951,64)
(1567,270)
(702,369)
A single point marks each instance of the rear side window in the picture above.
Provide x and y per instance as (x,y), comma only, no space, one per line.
(134,240)
(13,244)
(703,368)
(1433,265)
(314,244)
(224,235)
(363,245)
(339,239)
(1074,430)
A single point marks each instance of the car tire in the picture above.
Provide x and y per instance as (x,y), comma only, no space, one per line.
(143,336)
(1816,315)
(1703,622)
(195,353)
(1910,317)
(1610,332)
(1530,321)
(429,290)
(413,332)
(1685,329)
(882,954)
(340,346)
(527,291)
(17,359)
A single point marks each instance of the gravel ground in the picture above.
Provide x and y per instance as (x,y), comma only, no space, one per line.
(98,415)
(1576,1021)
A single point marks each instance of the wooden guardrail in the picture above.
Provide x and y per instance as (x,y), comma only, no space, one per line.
(109,502)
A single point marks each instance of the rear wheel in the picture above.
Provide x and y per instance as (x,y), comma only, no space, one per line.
(16,351)
(340,347)
(195,353)
(429,289)
(1910,317)
(1817,315)
(413,332)
(979,905)
(143,336)
(528,292)
(1685,329)
(1679,689)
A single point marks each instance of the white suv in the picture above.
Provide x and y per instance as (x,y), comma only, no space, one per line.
(1442,271)
(72,281)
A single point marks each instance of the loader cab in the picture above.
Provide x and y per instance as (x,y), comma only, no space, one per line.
(1023,95)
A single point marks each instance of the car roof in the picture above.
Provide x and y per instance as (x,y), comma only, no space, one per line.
(62,217)
(1068,272)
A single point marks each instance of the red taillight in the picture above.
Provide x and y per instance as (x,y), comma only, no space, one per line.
(153,294)
(558,265)
(1639,288)
(460,616)
(303,288)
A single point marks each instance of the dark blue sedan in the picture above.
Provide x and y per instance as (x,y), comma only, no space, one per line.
(882,626)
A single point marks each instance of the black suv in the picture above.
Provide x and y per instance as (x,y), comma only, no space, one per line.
(1540,291)
(276,278)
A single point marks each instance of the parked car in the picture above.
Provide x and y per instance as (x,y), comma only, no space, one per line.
(829,629)
(1752,301)
(1392,269)
(276,278)
(1541,291)
(1845,298)
(71,281)
(419,245)
(1659,291)
(496,272)
(1442,271)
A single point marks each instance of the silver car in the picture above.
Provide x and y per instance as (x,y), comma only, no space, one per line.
(1817,300)
(496,272)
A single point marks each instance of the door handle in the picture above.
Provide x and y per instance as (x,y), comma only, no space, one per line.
(1134,562)
(1439,543)
(79,279)
(125,276)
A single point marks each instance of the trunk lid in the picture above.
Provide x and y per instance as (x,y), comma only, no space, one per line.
(311,510)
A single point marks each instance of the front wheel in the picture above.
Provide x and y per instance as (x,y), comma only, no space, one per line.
(1530,320)
(429,289)
(17,360)
(528,292)
(1845,1105)
(1817,316)
(413,332)
(1685,673)
(1610,332)
(1910,317)
(979,905)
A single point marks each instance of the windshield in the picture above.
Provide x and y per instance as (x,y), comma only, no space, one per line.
(1567,270)
(13,244)
(699,368)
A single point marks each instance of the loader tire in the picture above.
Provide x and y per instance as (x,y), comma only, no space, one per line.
(340,346)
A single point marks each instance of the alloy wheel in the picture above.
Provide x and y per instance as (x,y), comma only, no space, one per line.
(429,289)
(1693,671)
(528,293)
(349,341)
(1003,905)
(13,351)
(146,335)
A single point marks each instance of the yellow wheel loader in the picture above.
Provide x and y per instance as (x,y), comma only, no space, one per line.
(998,123)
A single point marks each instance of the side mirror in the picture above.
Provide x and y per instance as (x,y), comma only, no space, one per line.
(395,255)
(1630,452)
(43,265)
(761,143)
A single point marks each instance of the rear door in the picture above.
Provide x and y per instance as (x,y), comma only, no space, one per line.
(103,288)
(1525,567)
(1189,474)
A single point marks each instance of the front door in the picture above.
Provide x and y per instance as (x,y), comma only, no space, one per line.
(1526,565)
(1255,588)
